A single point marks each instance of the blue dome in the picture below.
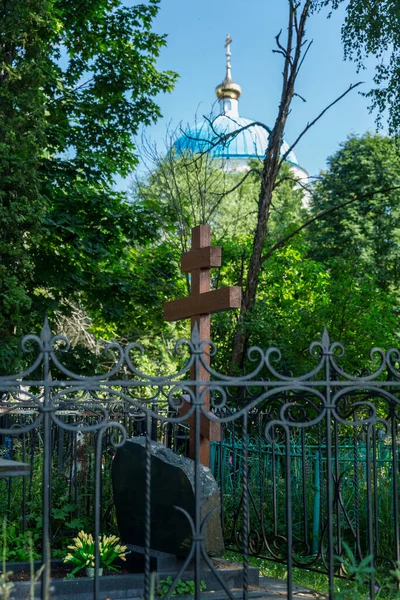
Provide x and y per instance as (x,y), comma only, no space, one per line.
(251,140)
(249,143)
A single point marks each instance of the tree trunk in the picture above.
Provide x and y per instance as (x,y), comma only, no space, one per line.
(293,59)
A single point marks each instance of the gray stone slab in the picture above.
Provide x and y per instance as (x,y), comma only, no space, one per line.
(131,587)
(159,561)
(277,589)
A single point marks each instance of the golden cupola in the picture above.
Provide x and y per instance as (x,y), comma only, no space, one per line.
(228,90)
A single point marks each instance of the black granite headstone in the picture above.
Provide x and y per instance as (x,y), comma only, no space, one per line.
(172,484)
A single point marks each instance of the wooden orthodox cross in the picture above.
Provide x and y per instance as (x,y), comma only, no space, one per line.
(198,307)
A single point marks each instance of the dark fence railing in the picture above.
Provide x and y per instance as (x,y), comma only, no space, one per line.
(305,463)
(357,479)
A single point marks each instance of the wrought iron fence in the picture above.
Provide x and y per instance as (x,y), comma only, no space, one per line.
(305,462)
(352,483)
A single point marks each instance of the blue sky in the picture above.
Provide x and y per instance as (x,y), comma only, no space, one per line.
(195,50)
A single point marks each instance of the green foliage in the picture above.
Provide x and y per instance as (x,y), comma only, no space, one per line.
(67,517)
(299,296)
(325,276)
(76,82)
(301,291)
(6,586)
(347,589)
(182,587)
(359,574)
(24,68)
(371,29)
(182,192)
(366,232)
(348,262)
(268,568)
(20,545)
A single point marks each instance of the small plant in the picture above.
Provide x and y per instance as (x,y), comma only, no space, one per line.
(358,575)
(18,547)
(390,584)
(83,552)
(396,573)
(6,586)
(182,587)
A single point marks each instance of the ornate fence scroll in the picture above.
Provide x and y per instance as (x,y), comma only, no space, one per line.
(306,462)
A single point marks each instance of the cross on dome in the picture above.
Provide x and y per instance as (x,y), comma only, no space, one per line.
(228,92)
(228,57)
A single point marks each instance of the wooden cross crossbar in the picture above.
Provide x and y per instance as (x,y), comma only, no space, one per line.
(199,306)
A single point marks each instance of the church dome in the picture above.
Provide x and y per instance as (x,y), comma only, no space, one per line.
(250,142)
(247,144)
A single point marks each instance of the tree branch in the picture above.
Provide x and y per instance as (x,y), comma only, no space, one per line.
(295,180)
(288,66)
(235,187)
(306,51)
(312,123)
(74,89)
(283,241)
(281,48)
(222,139)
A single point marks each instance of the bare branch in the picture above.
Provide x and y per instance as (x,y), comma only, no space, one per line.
(283,52)
(222,139)
(299,96)
(281,48)
(283,241)
(296,180)
(294,8)
(306,51)
(288,59)
(243,179)
(312,123)
(77,87)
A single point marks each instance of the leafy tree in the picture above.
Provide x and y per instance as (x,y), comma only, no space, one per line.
(24,65)
(77,79)
(341,271)
(294,51)
(185,190)
(298,296)
(366,232)
(230,209)
(372,29)
(306,283)
(255,254)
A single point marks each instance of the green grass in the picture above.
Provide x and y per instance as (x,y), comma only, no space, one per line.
(344,589)
(310,579)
